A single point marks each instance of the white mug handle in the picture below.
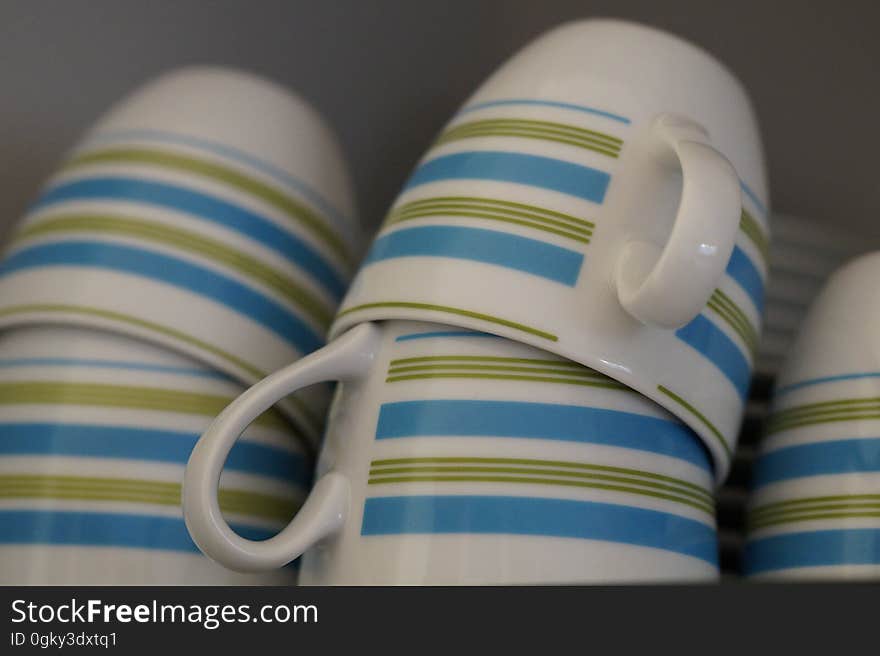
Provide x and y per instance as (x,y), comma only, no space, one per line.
(347,358)
(668,286)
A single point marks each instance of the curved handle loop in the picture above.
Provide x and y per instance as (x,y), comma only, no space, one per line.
(324,511)
(669,286)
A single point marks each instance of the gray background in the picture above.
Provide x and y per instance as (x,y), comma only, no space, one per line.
(387,74)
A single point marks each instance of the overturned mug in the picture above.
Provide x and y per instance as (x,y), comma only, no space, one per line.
(814,511)
(601,197)
(460,457)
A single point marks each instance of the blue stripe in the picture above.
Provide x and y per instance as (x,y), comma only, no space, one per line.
(754,198)
(826,379)
(342,222)
(173,271)
(545,103)
(817,459)
(564,518)
(741,269)
(110,364)
(857,546)
(147,444)
(99,529)
(223,213)
(543,421)
(443,333)
(554,174)
(479,245)
(708,339)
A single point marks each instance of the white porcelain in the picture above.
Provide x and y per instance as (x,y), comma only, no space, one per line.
(95,430)
(585,201)
(815,504)
(458,457)
(208,211)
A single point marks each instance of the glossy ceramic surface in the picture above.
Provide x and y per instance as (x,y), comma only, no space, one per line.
(458,457)
(581,202)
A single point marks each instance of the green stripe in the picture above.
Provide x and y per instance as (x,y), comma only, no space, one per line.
(287,205)
(822,406)
(482,211)
(190,242)
(489,358)
(699,415)
(794,512)
(807,501)
(524,133)
(392,219)
(755,232)
(124,396)
(522,214)
(586,373)
(868,400)
(701,496)
(544,130)
(823,413)
(301,405)
(139,491)
(812,517)
(451,310)
(535,379)
(543,481)
(560,464)
(523,210)
(563,128)
(735,318)
(774,427)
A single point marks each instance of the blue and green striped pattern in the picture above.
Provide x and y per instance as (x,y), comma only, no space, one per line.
(533,370)
(184,274)
(522,128)
(824,412)
(296,302)
(523,215)
(540,516)
(287,183)
(826,548)
(555,422)
(236,177)
(816,508)
(106,529)
(318,309)
(127,447)
(524,471)
(138,491)
(823,458)
(502,249)
(454,312)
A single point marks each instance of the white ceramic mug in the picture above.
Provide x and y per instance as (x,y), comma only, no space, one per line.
(814,510)
(95,430)
(209,211)
(585,200)
(458,457)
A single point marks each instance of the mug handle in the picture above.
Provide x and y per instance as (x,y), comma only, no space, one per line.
(347,358)
(668,286)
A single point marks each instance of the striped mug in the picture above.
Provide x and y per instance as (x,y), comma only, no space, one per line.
(95,430)
(814,511)
(582,201)
(210,212)
(459,457)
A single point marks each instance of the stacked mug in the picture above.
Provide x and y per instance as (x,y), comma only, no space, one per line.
(814,510)
(200,235)
(545,355)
